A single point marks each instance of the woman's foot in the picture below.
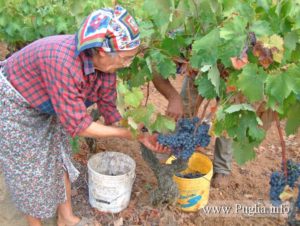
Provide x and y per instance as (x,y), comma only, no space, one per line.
(32,221)
(67,221)
(76,221)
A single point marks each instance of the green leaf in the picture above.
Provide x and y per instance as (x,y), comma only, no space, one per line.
(295,56)
(134,98)
(237,7)
(75,144)
(12,28)
(241,126)
(214,77)
(293,75)
(140,75)
(261,28)
(138,79)
(62,26)
(173,46)
(290,40)
(3,20)
(234,28)
(149,64)
(256,133)
(246,121)
(230,49)
(163,124)
(204,50)
(146,30)
(141,114)
(165,66)
(278,88)
(160,12)
(265,4)
(296,25)
(251,82)
(243,152)
(293,119)
(122,88)
(77,7)
(205,87)
(239,107)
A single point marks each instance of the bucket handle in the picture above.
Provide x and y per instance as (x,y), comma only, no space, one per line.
(109,202)
(114,199)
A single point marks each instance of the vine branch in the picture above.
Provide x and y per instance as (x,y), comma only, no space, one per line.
(148,94)
(204,110)
(282,142)
(190,98)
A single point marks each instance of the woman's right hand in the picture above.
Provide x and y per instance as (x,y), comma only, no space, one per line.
(150,141)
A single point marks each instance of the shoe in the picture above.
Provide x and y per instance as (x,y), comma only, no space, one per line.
(220,180)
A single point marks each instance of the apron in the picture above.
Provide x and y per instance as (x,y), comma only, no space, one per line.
(35,153)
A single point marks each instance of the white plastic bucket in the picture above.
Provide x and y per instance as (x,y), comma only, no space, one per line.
(111,176)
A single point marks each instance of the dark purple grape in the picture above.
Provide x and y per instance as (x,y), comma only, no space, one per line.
(184,141)
(277,183)
(293,172)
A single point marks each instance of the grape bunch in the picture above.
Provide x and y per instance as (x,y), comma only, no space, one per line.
(298,199)
(293,172)
(186,137)
(278,181)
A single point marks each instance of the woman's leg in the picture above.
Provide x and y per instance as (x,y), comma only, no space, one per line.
(65,213)
(32,221)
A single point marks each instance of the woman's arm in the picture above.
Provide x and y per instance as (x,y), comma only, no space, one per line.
(175,105)
(97,130)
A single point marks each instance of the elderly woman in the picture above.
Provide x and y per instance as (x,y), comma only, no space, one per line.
(45,89)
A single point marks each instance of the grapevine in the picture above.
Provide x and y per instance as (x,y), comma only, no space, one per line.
(240,52)
(283,184)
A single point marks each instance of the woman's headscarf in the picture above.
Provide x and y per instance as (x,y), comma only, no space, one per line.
(111,30)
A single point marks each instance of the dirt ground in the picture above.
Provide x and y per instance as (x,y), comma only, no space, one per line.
(248,183)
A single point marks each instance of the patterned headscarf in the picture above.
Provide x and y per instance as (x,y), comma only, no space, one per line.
(108,29)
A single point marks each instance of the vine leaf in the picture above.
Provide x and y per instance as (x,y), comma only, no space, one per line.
(141,114)
(239,63)
(173,45)
(243,152)
(278,88)
(204,50)
(264,55)
(293,119)
(134,98)
(251,82)
(205,87)
(163,124)
(214,77)
(241,123)
(233,29)
(160,12)
(261,28)
(290,40)
(165,66)
(275,44)
(239,107)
